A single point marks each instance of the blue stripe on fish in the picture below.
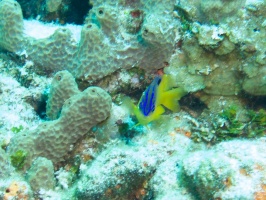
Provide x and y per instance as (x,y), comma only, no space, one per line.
(148,99)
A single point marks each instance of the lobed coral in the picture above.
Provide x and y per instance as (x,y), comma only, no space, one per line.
(63,86)
(52,139)
(11,23)
(41,169)
(106,44)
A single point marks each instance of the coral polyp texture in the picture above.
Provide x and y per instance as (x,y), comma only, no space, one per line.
(63,86)
(11,34)
(121,35)
(114,36)
(52,139)
(41,169)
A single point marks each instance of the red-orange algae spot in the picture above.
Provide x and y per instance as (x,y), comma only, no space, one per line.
(118,186)
(263,186)
(261,195)
(258,167)
(160,72)
(145,164)
(228,182)
(153,141)
(184,132)
(135,13)
(140,193)
(188,134)
(243,172)
(16,191)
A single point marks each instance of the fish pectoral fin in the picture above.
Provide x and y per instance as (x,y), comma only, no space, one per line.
(171,97)
(158,111)
(144,120)
(172,105)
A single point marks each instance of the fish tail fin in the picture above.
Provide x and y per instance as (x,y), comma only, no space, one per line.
(170,98)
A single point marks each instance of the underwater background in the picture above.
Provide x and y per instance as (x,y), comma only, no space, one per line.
(133,100)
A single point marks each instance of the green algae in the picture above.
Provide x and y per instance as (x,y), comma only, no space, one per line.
(18,159)
(227,125)
(17,129)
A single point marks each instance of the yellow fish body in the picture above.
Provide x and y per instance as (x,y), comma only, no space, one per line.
(159,94)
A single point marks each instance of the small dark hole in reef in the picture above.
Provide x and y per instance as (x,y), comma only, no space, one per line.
(78,11)
(100,12)
(135,13)
(89,26)
(70,11)
(145,31)
(254,102)
(7,190)
(59,78)
(166,64)
(93,90)
(192,104)
(41,107)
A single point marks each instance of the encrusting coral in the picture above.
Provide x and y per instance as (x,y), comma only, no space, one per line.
(222,50)
(225,172)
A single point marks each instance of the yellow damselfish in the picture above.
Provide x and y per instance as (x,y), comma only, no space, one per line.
(159,95)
